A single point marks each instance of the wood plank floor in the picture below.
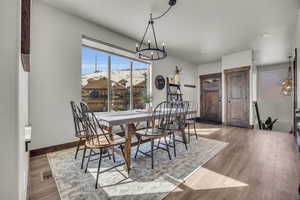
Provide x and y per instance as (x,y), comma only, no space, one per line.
(268,162)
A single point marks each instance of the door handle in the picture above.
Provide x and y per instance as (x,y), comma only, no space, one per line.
(229,101)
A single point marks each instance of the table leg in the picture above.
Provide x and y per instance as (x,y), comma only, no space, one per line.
(130,130)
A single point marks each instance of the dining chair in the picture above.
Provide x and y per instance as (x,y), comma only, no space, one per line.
(191,119)
(99,139)
(78,124)
(162,116)
(179,125)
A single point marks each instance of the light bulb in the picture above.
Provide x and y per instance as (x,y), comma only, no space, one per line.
(137,47)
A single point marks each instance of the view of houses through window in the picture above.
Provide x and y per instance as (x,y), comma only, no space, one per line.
(112,83)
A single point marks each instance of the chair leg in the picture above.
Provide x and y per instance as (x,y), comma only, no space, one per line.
(195,130)
(158,143)
(184,139)
(189,133)
(167,146)
(174,144)
(87,164)
(108,154)
(152,160)
(77,149)
(83,157)
(121,147)
(98,171)
(138,146)
(170,138)
(113,155)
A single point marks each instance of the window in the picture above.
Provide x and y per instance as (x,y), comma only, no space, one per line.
(110,82)
(140,79)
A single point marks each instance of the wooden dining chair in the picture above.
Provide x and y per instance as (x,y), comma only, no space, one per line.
(99,139)
(78,125)
(191,119)
(162,117)
(179,125)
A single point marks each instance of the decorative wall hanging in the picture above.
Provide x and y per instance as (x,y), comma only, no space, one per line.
(160,82)
(189,86)
(153,52)
(177,75)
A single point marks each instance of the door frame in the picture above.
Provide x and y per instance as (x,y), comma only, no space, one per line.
(201,78)
(226,72)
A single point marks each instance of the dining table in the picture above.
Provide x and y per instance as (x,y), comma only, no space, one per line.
(127,120)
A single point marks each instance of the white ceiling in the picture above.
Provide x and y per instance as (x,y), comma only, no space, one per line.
(200,31)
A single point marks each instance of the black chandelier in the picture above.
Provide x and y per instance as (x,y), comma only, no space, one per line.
(153,52)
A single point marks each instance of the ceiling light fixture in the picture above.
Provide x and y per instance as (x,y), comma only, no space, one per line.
(153,52)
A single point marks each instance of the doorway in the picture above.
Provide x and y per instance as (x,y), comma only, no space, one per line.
(211,97)
(237,96)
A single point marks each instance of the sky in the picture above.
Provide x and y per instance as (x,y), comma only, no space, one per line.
(89,57)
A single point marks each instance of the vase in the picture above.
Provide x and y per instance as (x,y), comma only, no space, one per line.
(177,79)
(148,107)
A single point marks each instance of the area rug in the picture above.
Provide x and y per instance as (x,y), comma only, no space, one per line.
(143,183)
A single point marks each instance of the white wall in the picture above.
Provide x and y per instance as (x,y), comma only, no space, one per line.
(167,68)
(9,23)
(270,97)
(204,69)
(23,103)
(240,59)
(55,78)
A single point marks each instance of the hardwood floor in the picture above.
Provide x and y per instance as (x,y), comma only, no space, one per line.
(267,161)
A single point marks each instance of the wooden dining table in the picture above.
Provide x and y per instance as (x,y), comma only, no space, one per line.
(127,120)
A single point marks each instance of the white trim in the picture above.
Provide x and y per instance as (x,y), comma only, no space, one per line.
(121,52)
(111,49)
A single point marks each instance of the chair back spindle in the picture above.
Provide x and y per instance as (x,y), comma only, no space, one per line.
(95,133)
(78,123)
(163,115)
(192,111)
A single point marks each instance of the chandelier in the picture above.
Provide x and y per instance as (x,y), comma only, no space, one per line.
(153,51)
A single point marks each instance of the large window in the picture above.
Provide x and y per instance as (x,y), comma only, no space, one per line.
(113,83)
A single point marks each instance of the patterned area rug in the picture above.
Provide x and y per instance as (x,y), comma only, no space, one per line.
(143,183)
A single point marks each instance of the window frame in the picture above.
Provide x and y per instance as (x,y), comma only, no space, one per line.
(113,50)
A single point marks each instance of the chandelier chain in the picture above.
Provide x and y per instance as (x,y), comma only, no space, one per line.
(155,18)
(153,52)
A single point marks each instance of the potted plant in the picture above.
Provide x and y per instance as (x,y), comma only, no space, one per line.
(148,99)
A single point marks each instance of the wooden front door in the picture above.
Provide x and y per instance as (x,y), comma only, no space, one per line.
(211,96)
(237,97)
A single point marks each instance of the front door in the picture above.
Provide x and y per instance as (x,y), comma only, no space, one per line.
(211,95)
(237,97)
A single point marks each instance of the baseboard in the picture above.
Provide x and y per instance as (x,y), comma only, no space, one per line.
(247,126)
(45,150)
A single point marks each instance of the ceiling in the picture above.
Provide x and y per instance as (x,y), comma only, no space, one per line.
(200,31)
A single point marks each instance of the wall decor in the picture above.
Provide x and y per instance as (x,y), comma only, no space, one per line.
(189,86)
(160,82)
(177,75)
